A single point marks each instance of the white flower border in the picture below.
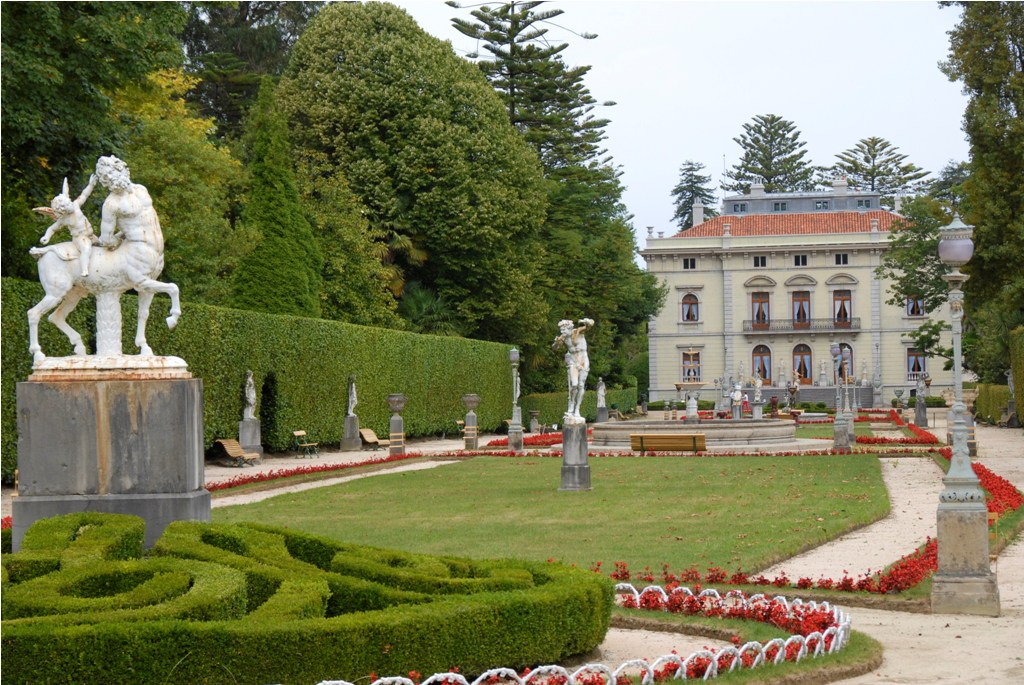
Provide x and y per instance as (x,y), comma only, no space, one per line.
(840,634)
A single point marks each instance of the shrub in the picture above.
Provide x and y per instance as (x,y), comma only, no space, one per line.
(301,365)
(255,604)
(992,400)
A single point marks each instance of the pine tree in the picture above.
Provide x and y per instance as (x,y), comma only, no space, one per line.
(772,154)
(876,165)
(282,273)
(692,186)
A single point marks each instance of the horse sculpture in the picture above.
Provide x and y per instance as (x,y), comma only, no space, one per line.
(130,255)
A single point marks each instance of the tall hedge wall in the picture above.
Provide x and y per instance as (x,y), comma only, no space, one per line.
(992,400)
(552,405)
(300,366)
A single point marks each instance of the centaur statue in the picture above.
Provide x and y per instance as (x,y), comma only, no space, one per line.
(129,255)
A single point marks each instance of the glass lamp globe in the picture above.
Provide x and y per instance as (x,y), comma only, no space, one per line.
(835,350)
(955,244)
(513,355)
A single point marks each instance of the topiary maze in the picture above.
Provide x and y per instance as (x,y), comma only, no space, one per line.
(254,604)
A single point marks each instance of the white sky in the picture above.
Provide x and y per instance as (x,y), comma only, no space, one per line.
(686,76)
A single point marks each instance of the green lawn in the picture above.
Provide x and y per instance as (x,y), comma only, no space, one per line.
(826,430)
(735,512)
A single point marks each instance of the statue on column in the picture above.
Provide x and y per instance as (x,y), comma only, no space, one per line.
(131,258)
(352,399)
(249,411)
(577,362)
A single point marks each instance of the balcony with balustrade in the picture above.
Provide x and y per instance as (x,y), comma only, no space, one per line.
(849,325)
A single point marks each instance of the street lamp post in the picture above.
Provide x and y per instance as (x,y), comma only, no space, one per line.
(515,429)
(847,365)
(840,428)
(964,582)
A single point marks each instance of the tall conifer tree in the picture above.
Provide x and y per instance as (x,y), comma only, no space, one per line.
(692,186)
(875,164)
(282,273)
(772,154)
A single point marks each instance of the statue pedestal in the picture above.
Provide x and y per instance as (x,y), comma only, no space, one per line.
(758,410)
(737,411)
(397,435)
(250,437)
(534,420)
(602,415)
(126,445)
(351,440)
(471,437)
(575,452)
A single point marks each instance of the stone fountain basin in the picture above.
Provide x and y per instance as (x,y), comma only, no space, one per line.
(717,432)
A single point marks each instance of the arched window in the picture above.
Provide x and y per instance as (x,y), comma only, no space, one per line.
(761,362)
(690,308)
(759,310)
(803,364)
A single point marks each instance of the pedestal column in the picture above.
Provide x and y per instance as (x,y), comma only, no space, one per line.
(575,455)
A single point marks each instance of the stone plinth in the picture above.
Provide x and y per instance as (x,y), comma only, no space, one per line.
(250,437)
(575,455)
(351,441)
(515,431)
(471,435)
(758,410)
(534,420)
(397,435)
(921,412)
(602,415)
(964,583)
(130,446)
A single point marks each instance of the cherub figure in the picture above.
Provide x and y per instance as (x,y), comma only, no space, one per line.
(67,212)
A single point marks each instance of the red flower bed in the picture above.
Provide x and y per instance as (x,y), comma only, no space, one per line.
(921,437)
(544,440)
(6,522)
(246,479)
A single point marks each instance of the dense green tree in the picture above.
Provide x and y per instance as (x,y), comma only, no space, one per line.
(987,57)
(588,267)
(61,63)
(194,183)
(546,100)
(692,186)
(949,186)
(876,165)
(354,281)
(773,155)
(427,312)
(281,275)
(232,45)
(427,148)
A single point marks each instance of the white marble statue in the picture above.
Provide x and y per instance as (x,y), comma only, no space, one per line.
(132,258)
(67,212)
(864,373)
(249,412)
(600,393)
(736,395)
(758,382)
(577,363)
(352,399)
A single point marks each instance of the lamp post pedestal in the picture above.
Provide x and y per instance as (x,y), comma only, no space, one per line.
(964,582)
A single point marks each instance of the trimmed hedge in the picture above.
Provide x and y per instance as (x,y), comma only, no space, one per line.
(300,367)
(254,604)
(929,401)
(992,400)
(552,405)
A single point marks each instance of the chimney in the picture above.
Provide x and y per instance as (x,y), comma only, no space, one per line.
(897,204)
(756,190)
(698,213)
(874,225)
(840,186)
(727,230)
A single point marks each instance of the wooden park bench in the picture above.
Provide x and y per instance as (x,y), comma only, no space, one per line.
(371,439)
(236,455)
(305,445)
(461,425)
(667,442)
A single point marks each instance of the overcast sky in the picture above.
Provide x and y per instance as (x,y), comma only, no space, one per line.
(686,76)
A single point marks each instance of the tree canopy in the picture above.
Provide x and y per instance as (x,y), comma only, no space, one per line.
(281,275)
(692,186)
(876,165)
(427,148)
(61,63)
(771,154)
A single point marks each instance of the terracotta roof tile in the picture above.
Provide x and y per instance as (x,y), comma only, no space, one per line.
(791,224)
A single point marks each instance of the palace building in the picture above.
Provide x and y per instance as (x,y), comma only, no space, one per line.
(771,284)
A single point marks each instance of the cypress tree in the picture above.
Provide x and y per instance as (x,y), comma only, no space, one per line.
(282,273)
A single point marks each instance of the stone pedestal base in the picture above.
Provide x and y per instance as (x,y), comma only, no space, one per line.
(535,421)
(250,437)
(158,510)
(397,436)
(515,430)
(737,411)
(975,595)
(471,437)
(758,409)
(129,446)
(602,414)
(575,457)
(351,441)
